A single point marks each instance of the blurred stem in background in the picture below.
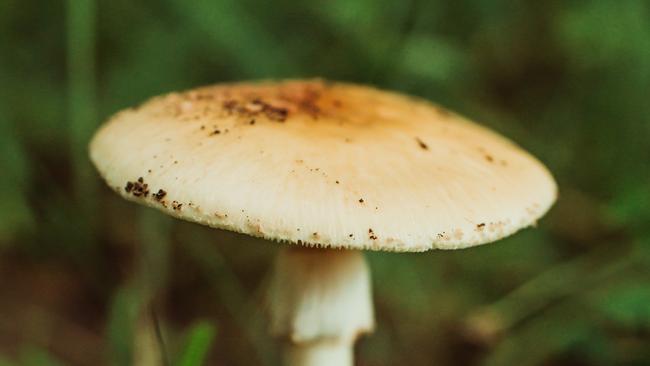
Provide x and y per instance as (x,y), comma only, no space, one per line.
(562,281)
(232,293)
(151,279)
(135,329)
(82,109)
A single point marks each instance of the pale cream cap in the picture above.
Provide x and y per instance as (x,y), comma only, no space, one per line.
(323,164)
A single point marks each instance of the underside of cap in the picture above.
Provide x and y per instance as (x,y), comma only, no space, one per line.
(323,164)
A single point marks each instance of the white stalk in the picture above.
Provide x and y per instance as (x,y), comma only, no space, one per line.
(320,353)
(320,301)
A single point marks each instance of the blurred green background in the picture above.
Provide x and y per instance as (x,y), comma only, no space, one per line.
(85,276)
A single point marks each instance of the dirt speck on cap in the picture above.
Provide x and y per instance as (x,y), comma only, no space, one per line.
(444,236)
(276,113)
(159,195)
(254,108)
(422,144)
(137,188)
(229,105)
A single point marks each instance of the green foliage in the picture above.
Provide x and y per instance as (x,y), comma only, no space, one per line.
(121,325)
(199,340)
(33,356)
(6,362)
(627,305)
(567,80)
(15,213)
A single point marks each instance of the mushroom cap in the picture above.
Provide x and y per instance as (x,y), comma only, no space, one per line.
(323,164)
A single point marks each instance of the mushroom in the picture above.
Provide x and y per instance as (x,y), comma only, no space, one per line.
(335,168)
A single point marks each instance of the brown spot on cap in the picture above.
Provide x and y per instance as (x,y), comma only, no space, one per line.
(276,113)
(421,143)
(255,107)
(159,195)
(137,188)
(229,105)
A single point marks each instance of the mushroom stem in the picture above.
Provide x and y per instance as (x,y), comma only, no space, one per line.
(319,302)
(323,353)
